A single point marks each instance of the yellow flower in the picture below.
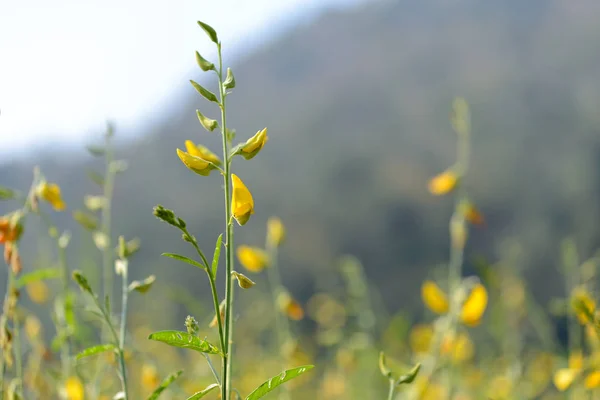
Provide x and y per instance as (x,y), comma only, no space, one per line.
(462,349)
(37,291)
(420,338)
(472,310)
(254,144)
(290,307)
(150,378)
(275,231)
(434,298)
(74,389)
(197,150)
(195,159)
(472,213)
(242,203)
(252,258)
(443,183)
(51,193)
(563,378)
(474,306)
(592,381)
(583,305)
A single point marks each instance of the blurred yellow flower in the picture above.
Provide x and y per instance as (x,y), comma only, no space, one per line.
(474,306)
(149,378)
(420,338)
(576,360)
(74,389)
(253,259)
(434,298)
(443,183)
(564,377)
(500,388)
(38,291)
(290,307)
(472,310)
(9,231)
(33,328)
(197,150)
(462,348)
(472,213)
(592,381)
(254,144)
(275,231)
(51,193)
(242,203)
(195,159)
(583,305)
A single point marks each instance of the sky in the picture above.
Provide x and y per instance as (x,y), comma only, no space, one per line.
(68,66)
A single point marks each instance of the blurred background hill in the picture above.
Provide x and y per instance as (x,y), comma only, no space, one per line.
(357,102)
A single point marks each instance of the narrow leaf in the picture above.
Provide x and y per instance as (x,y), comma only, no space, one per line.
(142,286)
(203,63)
(410,376)
(185,341)
(38,275)
(85,219)
(229,80)
(6,193)
(275,381)
(208,124)
(207,94)
(212,34)
(202,393)
(164,385)
(184,259)
(92,351)
(96,151)
(216,255)
(95,177)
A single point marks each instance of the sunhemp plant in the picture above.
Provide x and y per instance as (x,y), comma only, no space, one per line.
(239,206)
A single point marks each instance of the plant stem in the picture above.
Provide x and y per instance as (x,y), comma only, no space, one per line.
(3,324)
(227,357)
(107,255)
(18,352)
(125,294)
(65,349)
(391,391)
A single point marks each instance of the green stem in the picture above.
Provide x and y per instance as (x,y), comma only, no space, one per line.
(3,327)
(125,294)
(391,391)
(65,349)
(107,255)
(18,353)
(227,357)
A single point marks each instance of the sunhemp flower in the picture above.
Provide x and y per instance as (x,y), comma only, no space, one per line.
(253,259)
(472,310)
(149,379)
(443,183)
(242,203)
(583,305)
(564,377)
(254,144)
(51,193)
(74,389)
(198,159)
(290,306)
(10,231)
(275,231)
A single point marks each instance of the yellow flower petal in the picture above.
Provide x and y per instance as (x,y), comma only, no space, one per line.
(252,258)
(38,292)
(242,203)
(474,306)
(196,164)
(150,379)
(275,231)
(51,193)
(434,298)
(592,381)
(197,150)
(563,378)
(74,389)
(583,305)
(254,144)
(420,338)
(443,183)
(576,360)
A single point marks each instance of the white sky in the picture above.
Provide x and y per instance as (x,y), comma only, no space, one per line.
(66,66)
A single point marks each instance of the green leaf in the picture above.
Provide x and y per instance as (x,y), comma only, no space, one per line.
(6,193)
(92,351)
(208,124)
(95,177)
(164,385)
(38,275)
(383,368)
(184,259)
(203,63)
(212,34)
(207,94)
(275,381)
(96,151)
(185,341)
(142,286)
(85,219)
(216,255)
(229,80)
(82,282)
(202,393)
(410,376)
